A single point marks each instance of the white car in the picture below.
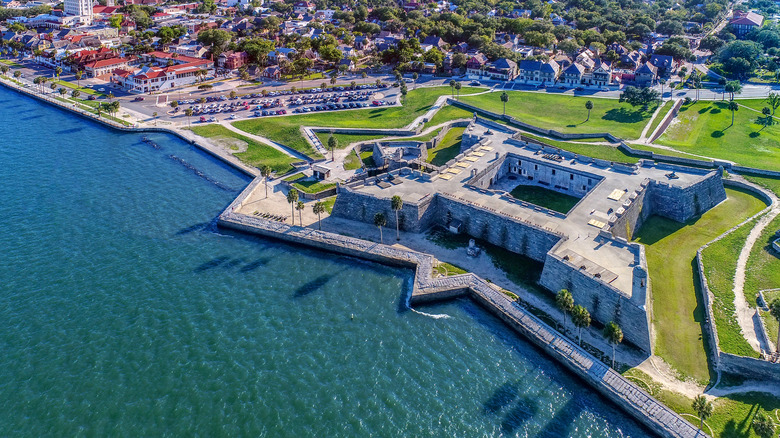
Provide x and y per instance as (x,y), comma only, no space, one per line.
(232,117)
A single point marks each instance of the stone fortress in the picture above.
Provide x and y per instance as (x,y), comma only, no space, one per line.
(586,250)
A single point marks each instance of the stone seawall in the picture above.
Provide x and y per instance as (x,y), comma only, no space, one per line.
(644,408)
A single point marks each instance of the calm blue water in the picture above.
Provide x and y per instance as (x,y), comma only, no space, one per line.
(123,312)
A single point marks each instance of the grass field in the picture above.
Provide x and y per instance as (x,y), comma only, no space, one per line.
(659,117)
(447,149)
(677,312)
(367,158)
(546,198)
(567,113)
(344,140)
(286,130)
(731,416)
(256,153)
(600,151)
(312,186)
(720,263)
(703,128)
(83,90)
(352,161)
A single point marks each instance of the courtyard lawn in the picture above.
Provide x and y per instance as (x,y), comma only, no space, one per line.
(546,198)
(256,154)
(286,130)
(447,149)
(567,113)
(720,263)
(703,128)
(312,186)
(367,157)
(83,90)
(677,312)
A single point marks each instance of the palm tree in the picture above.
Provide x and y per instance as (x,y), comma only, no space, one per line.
(4,69)
(504,99)
(767,115)
(318,208)
(733,107)
(363,76)
(703,409)
(773,99)
(17,74)
(299,206)
(292,198)
(662,82)
(415,76)
(452,87)
(581,318)
(763,426)
(457,88)
(75,94)
(37,81)
(396,203)
(565,303)
(265,172)
(332,144)
(188,113)
(588,106)
(380,221)
(614,335)
(79,75)
(62,91)
(58,72)
(774,310)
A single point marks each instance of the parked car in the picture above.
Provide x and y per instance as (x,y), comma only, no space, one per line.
(138,99)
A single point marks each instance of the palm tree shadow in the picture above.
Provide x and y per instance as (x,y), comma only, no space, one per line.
(719,134)
(312,286)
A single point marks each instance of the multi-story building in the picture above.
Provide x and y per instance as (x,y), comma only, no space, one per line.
(744,22)
(79,8)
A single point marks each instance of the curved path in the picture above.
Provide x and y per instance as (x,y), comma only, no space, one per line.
(744,312)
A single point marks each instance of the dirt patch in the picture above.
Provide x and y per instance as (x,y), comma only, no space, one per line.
(232,145)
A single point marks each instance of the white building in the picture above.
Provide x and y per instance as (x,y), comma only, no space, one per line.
(79,8)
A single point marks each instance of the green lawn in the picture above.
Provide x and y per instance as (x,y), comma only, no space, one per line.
(256,153)
(368,158)
(659,117)
(445,269)
(769,321)
(83,90)
(447,149)
(703,128)
(546,198)
(720,263)
(13,64)
(567,113)
(309,185)
(677,312)
(447,113)
(599,151)
(352,161)
(345,140)
(286,130)
(732,416)
(329,202)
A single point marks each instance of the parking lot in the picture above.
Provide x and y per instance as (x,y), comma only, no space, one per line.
(281,102)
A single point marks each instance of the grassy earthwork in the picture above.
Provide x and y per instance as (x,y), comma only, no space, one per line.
(567,113)
(447,149)
(704,128)
(678,316)
(256,154)
(660,117)
(286,130)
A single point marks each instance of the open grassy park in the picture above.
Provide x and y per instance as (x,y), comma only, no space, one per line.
(256,154)
(286,130)
(678,315)
(567,114)
(704,128)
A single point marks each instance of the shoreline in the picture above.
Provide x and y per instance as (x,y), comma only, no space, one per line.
(630,398)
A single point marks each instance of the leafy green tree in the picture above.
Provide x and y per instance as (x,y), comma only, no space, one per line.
(588,106)
(565,302)
(703,409)
(318,208)
(75,94)
(17,74)
(457,88)
(396,203)
(4,69)
(115,21)
(504,100)
(643,97)
(174,104)
(62,91)
(614,335)
(380,221)
(265,172)
(763,426)
(292,199)
(733,87)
